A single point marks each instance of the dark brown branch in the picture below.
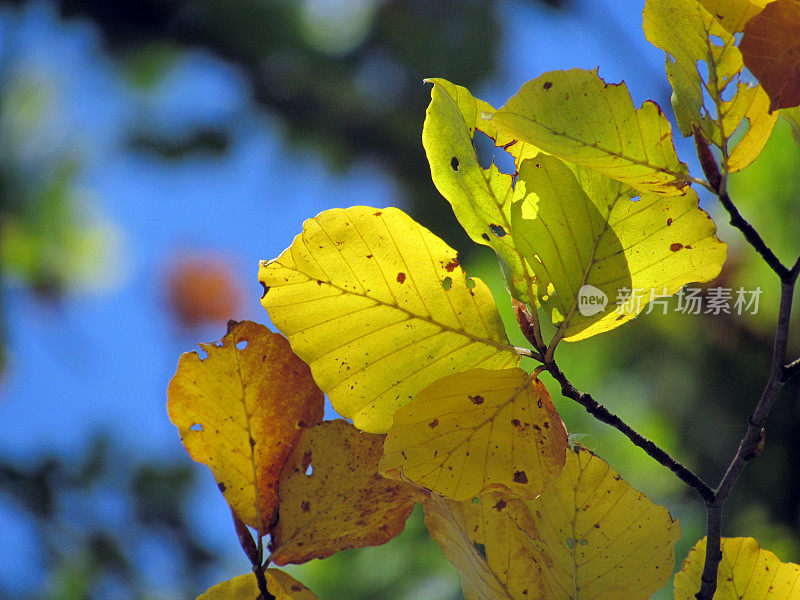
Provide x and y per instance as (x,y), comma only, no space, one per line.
(753,237)
(601,413)
(749,447)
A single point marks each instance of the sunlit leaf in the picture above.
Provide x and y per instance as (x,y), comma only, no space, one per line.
(379,308)
(771,50)
(734,14)
(245,587)
(481,198)
(589,239)
(240,410)
(589,536)
(746,572)
(478,431)
(704,67)
(332,497)
(578,117)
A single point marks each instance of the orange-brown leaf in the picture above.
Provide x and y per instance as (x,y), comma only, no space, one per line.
(771,50)
(332,497)
(240,410)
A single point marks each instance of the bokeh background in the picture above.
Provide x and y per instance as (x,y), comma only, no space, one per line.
(152,152)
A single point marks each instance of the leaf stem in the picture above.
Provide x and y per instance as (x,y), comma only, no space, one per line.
(255,553)
(601,413)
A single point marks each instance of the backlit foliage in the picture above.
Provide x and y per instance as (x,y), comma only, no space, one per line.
(410,348)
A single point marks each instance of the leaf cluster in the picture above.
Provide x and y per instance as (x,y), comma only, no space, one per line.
(378,314)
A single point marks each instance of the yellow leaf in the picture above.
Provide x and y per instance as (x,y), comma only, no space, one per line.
(481,198)
(589,239)
(589,536)
(240,410)
(478,431)
(245,587)
(379,308)
(580,118)
(703,62)
(746,573)
(332,497)
(734,14)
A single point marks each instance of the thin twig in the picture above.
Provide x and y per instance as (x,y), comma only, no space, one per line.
(601,413)
(752,236)
(749,446)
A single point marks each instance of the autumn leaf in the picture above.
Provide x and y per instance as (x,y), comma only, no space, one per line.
(746,572)
(478,431)
(481,198)
(584,236)
(332,497)
(734,14)
(240,410)
(771,50)
(704,67)
(379,308)
(578,117)
(590,535)
(245,587)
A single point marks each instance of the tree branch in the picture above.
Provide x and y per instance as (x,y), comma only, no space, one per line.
(601,413)
(753,237)
(749,447)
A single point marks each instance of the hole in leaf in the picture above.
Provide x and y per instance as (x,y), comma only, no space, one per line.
(716,40)
(196,427)
(309,470)
(454,163)
(470,283)
(730,91)
(241,345)
(488,152)
(498,230)
(447,283)
(202,353)
(635,198)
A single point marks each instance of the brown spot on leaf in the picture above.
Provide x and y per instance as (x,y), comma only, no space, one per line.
(515,422)
(520,477)
(305,506)
(501,504)
(676,246)
(451,265)
(297,588)
(547,85)
(401,277)
(377,214)
(222,487)
(434,424)
(476,399)
(669,221)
